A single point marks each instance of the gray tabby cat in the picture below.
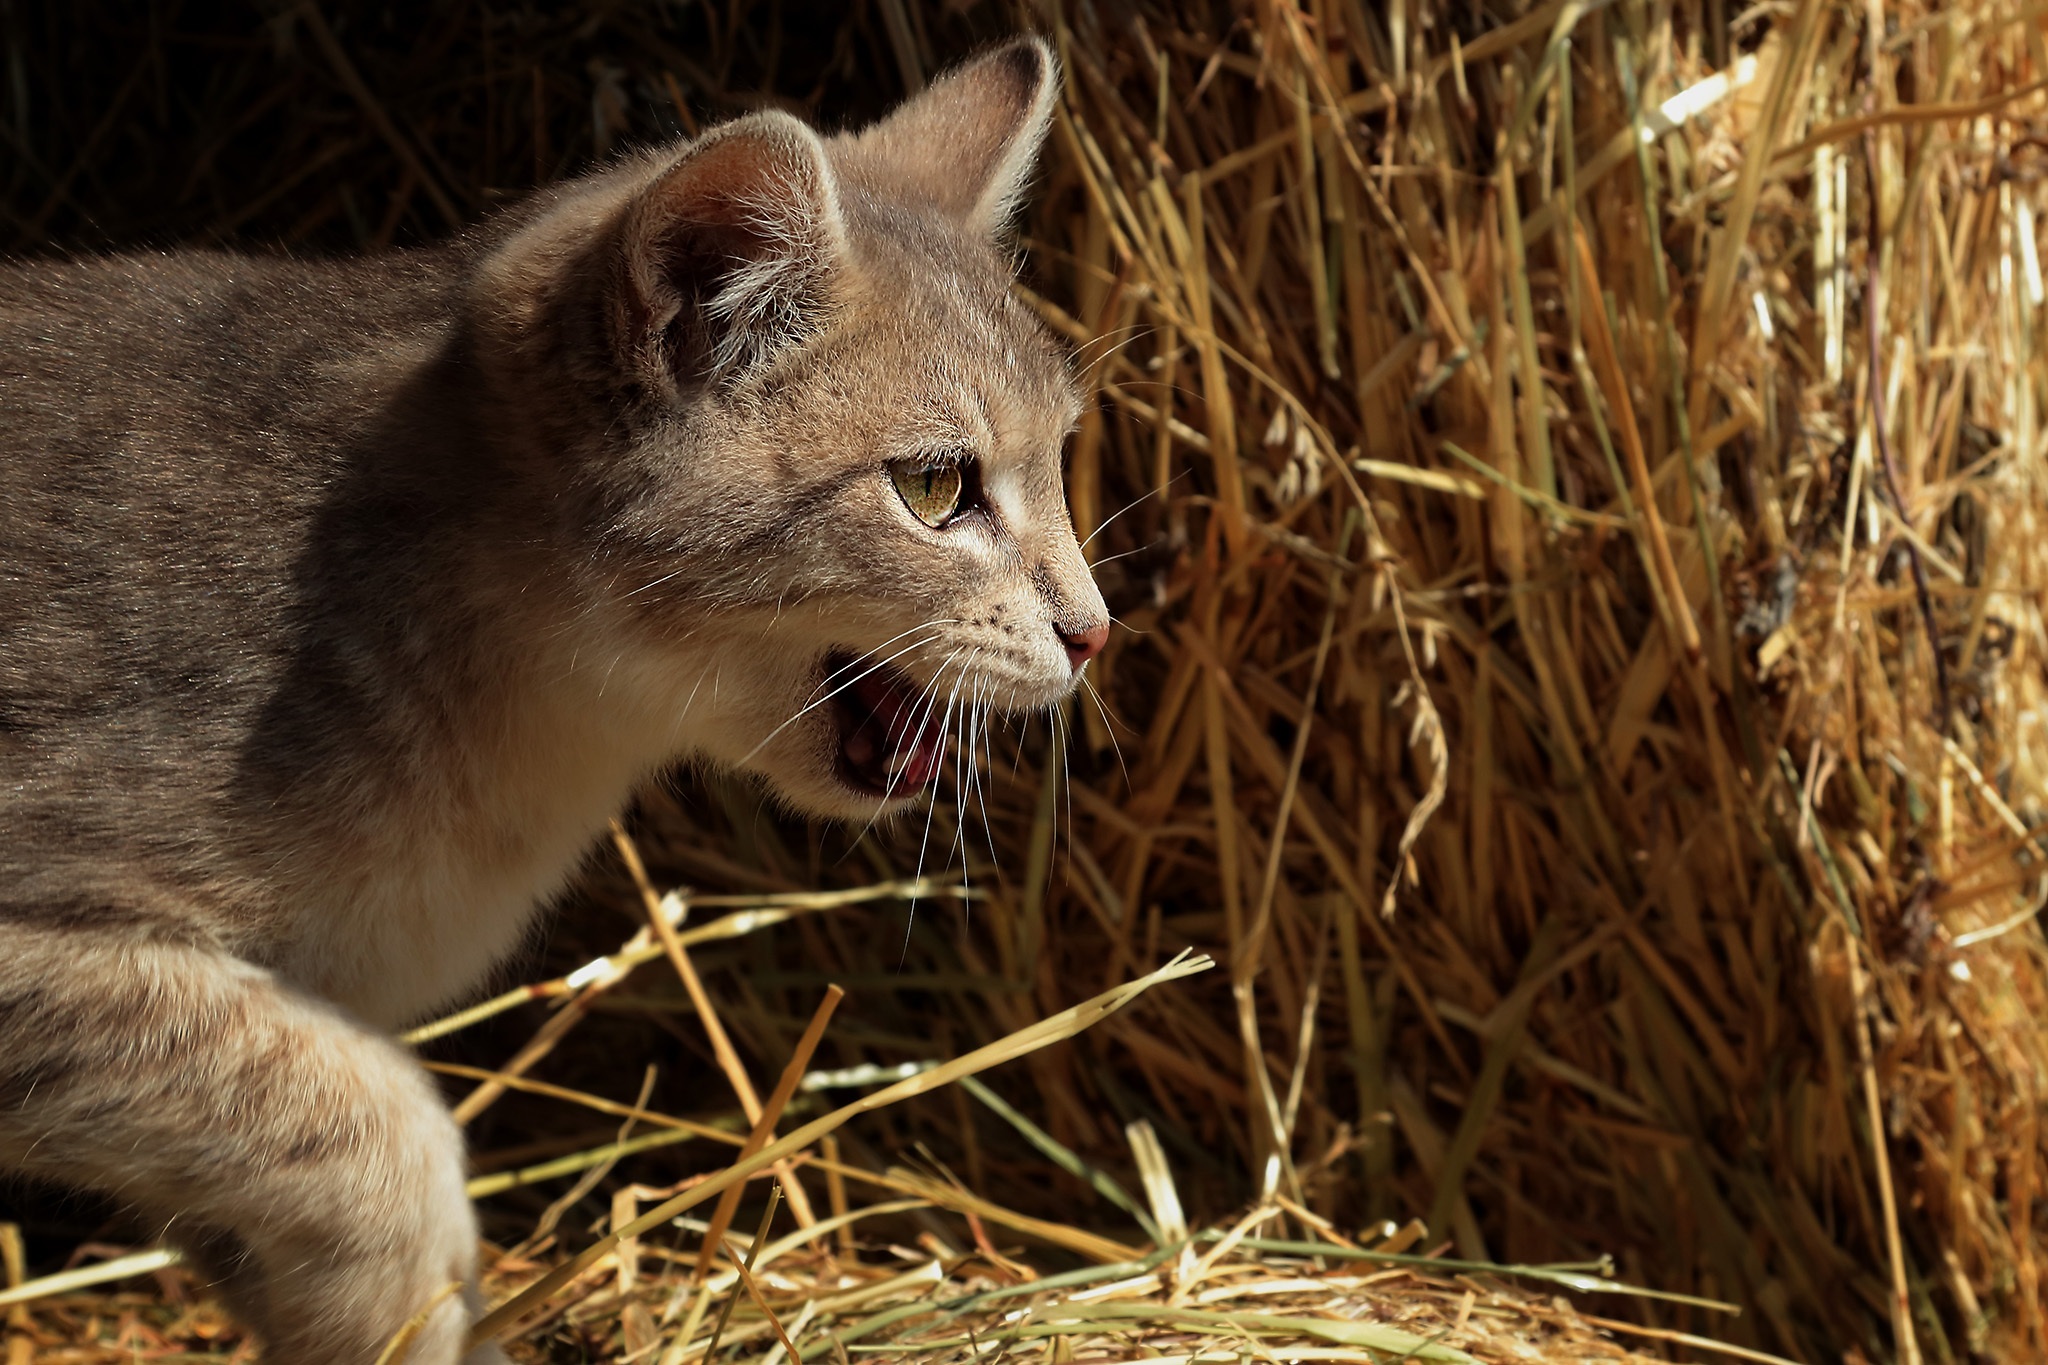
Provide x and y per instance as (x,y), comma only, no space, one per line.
(342,602)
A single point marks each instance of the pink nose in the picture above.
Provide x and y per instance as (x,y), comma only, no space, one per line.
(1083,645)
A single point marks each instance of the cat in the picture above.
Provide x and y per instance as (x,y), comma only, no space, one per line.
(343,602)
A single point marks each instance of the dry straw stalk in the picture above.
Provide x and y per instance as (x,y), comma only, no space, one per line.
(1569,475)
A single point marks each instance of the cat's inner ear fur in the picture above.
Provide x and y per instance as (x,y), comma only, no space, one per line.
(729,254)
(967,144)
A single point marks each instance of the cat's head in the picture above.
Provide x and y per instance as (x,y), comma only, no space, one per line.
(826,510)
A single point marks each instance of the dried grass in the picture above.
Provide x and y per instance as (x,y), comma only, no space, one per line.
(1580,677)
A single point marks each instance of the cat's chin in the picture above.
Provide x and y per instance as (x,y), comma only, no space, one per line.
(824,792)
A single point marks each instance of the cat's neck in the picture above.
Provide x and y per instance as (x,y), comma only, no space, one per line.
(438,857)
(463,706)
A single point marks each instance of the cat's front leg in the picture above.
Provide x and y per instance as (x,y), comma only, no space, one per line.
(302,1159)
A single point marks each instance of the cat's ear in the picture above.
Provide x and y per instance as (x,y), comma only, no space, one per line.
(730,252)
(968,142)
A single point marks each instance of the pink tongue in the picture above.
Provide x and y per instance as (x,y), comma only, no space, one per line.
(893,706)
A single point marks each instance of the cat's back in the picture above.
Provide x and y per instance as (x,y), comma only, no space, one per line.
(171,428)
(168,426)
(148,361)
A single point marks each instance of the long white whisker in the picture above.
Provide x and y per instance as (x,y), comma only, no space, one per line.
(1024,733)
(984,724)
(925,699)
(1120,554)
(931,691)
(933,624)
(925,708)
(962,762)
(1149,493)
(1066,782)
(1055,755)
(1108,728)
(1111,342)
(943,724)
(878,665)
(1118,620)
(970,738)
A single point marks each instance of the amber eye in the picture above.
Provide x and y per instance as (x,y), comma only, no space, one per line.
(930,490)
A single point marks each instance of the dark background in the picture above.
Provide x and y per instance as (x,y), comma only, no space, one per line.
(347,126)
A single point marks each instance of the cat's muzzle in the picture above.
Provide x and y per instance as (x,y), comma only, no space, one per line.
(891,731)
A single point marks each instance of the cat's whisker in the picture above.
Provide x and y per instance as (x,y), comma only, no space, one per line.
(991,721)
(878,665)
(970,769)
(961,764)
(1014,730)
(1112,344)
(1108,728)
(964,777)
(931,809)
(1052,738)
(1004,713)
(826,688)
(1055,754)
(1120,554)
(1177,389)
(924,844)
(1066,780)
(920,709)
(923,709)
(932,624)
(996,716)
(1118,620)
(1134,502)
(986,726)
(926,840)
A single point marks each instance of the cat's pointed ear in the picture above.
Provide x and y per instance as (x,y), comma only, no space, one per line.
(968,142)
(730,252)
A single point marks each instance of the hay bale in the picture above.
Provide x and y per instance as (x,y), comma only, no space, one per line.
(1580,674)
(1550,688)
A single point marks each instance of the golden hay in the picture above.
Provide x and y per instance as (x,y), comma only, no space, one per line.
(1570,478)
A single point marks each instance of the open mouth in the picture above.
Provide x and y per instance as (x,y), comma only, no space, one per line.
(888,743)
